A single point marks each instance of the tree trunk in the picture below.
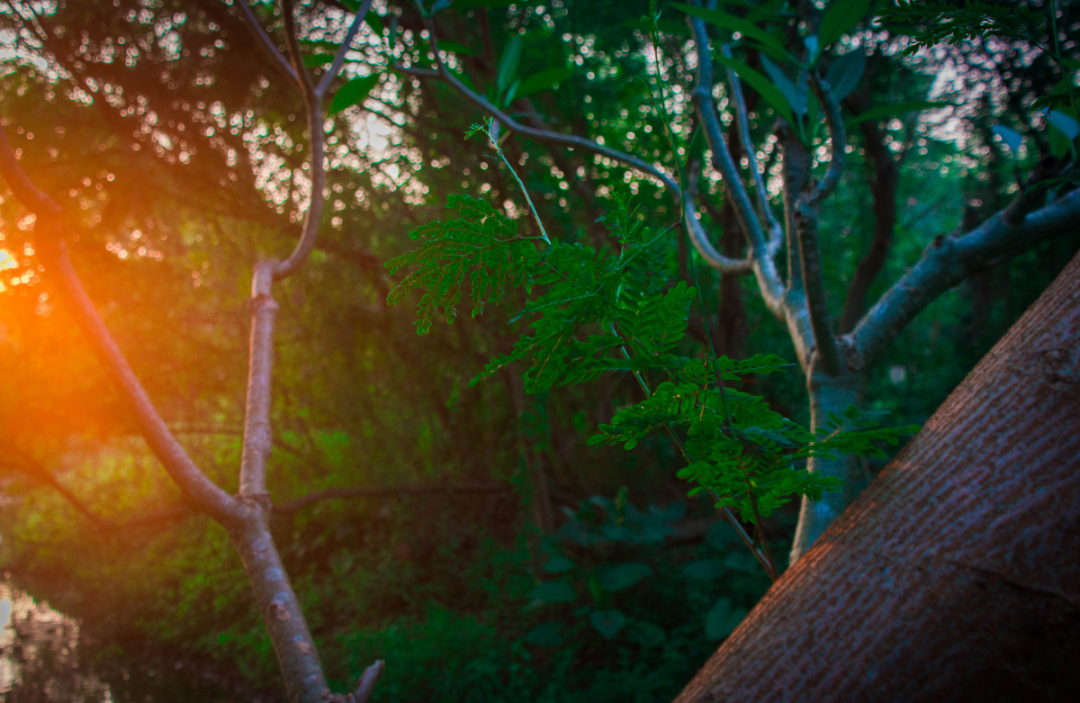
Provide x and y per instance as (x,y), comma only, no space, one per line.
(956,575)
(829,394)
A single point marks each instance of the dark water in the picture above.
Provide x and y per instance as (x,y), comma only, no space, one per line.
(40,655)
(46,657)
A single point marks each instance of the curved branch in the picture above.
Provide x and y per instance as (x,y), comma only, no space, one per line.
(339,57)
(540,135)
(806,228)
(700,237)
(949,260)
(837,136)
(313,108)
(714,135)
(267,45)
(196,487)
(776,232)
(760,253)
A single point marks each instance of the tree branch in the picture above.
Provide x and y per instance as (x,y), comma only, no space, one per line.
(700,237)
(951,259)
(760,254)
(837,137)
(313,108)
(199,490)
(806,231)
(776,232)
(258,434)
(714,135)
(267,44)
(24,464)
(541,135)
(339,57)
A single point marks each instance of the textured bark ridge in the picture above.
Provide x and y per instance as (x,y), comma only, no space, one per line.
(956,575)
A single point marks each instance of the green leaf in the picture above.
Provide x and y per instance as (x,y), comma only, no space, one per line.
(840,17)
(1064,124)
(538,82)
(768,92)
(623,576)
(1012,139)
(878,113)
(794,94)
(480,249)
(558,565)
(508,64)
(314,60)
(553,592)
(722,620)
(456,48)
(704,570)
(375,22)
(353,93)
(845,72)
(608,622)
(737,24)
(548,634)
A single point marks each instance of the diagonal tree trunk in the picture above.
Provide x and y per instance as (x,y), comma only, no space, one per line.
(956,575)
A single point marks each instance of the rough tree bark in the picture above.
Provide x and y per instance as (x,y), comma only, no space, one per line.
(956,575)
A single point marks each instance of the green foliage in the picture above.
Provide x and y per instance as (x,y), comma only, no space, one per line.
(930,23)
(597,312)
(480,248)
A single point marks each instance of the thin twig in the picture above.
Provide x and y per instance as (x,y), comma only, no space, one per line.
(339,58)
(267,44)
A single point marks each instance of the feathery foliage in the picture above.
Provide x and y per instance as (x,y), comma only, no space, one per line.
(596,312)
(481,248)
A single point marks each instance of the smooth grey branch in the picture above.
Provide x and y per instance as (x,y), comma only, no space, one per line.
(776,232)
(951,259)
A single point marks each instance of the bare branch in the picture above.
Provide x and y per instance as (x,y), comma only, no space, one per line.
(760,254)
(339,58)
(776,232)
(951,259)
(806,228)
(714,135)
(267,44)
(367,682)
(258,435)
(18,461)
(316,137)
(196,487)
(700,237)
(541,135)
(292,46)
(837,136)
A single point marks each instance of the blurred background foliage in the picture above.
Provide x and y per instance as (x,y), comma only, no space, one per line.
(163,126)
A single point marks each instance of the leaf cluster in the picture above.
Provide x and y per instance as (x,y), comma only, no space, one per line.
(596,312)
(480,249)
(931,23)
